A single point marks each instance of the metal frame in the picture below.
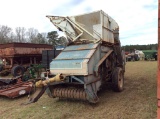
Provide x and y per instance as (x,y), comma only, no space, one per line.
(77,79)
(81,29)
(101,61)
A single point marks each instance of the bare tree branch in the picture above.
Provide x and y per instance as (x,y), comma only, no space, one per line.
(5,32)
(20,34)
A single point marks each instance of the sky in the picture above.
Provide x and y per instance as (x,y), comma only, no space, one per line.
(137,19)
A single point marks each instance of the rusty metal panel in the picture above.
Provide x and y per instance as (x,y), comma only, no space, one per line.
(158,72)
(27,45)
(29,50)
(13,49)
(16,90)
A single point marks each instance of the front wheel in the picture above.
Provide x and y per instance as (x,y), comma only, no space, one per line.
(17,70)
(118,79)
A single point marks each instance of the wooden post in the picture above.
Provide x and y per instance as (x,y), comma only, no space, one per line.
(158,72)
(30,60)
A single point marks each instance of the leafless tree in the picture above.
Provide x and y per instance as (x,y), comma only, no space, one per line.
(32,34)
(13,37)
(5,33)
(44,38)
(20,34)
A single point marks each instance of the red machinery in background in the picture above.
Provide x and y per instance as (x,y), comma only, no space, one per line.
(158,73)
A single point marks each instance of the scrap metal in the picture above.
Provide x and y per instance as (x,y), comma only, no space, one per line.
(14,87)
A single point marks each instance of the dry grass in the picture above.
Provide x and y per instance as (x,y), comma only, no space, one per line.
(137,101)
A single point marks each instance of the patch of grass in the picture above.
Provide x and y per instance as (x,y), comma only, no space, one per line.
(137,101)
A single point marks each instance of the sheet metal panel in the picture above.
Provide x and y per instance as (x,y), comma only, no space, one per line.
(72,67)
(74,60)
(12,49)
(91,26)
(81,47)
(78,54)
(98,23)
(107,29)
(91,22)
(94,60)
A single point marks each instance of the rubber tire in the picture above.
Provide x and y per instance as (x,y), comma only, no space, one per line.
(118,75)
(15,70)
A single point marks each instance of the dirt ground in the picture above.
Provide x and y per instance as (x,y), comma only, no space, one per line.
(137,101)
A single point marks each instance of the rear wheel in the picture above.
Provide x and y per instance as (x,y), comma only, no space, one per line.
(118,79)
(17,70)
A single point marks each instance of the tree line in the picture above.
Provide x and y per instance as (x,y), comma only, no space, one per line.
(140,47)
(30,35)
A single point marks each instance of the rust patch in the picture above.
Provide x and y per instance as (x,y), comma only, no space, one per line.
(72,93)
(16,90)
(158,72)
(158,113)
(12,49)
(27,45)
